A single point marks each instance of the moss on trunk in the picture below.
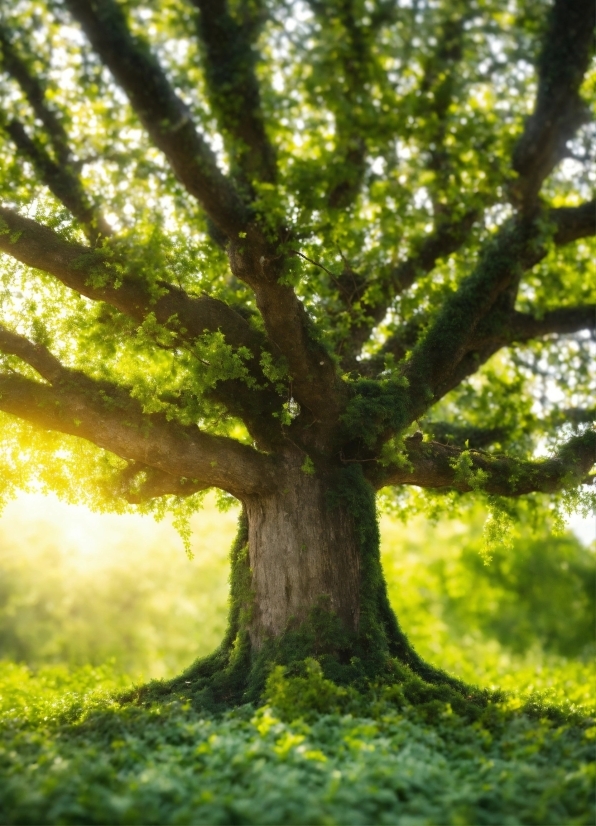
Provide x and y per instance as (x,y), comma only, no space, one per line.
(374,651)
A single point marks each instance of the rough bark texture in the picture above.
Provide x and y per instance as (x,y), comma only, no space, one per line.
(306,581)
(303,553)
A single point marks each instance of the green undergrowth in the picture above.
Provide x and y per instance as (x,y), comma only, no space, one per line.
(311,753)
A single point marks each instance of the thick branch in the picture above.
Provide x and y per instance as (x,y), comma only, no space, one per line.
(573,223)
(433,465)
(107,416)
(435,97)
(160,110)
(562,321)
(312,371)
(233,87)
(58,175)
(517,328)
(465,435)
(62,182)
(139,483)
(36,355)
(476,319)
(349,76)
(559,110)
(436,357)
(98,276)
(35,94)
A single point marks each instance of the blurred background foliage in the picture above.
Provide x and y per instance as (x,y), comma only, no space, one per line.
(82,588)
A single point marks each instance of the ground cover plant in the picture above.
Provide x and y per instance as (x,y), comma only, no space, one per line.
(313,754)
(70,752)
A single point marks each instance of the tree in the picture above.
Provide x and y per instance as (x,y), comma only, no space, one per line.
(300,252)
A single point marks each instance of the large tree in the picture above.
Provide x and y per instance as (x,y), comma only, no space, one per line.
(299,251)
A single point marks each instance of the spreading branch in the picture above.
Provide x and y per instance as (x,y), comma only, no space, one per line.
(562,321)
(349,97)
(169,124)
(559,110)
(99,276)
(106,415)
(165,117)
(573,223)
(229,57)
(472,323)
(447,237)
(35,93)
(312,370)
(447,341)
(433,465)
(139,483)
(62,182)
(57,173)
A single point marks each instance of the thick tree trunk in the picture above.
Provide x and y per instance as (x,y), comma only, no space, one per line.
(304,555)
(306,581)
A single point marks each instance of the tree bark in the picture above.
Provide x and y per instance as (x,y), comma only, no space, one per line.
(304,555)
(306,582)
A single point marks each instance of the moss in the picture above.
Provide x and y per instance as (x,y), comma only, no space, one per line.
(377,654)
(374,408)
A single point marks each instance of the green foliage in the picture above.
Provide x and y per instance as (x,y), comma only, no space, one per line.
(306,696)
(317,751)
(375,407)
(78,587)
(69,753)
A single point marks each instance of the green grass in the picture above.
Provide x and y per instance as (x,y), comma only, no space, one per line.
(71,754)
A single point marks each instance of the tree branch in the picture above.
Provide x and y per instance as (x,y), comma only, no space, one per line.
(233,87)
(35,94)
(139,483)
(106,415)
(58,175)
(62,182)
(464,436)
(448,236)
(573,223)
(98,275)
(313,372)
(437,355)
(432,465)
(160,110)
(517,328)
(559,110)
(435,96)
(562,321)
(37,356)
(349,96)
(473,322)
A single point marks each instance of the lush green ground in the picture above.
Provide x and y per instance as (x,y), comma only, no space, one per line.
(70,753)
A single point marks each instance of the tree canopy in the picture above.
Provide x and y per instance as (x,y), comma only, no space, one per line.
(362,230)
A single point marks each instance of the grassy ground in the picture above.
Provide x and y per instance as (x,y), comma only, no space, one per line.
(70,753)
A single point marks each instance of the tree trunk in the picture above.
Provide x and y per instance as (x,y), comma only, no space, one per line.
(304,555)
(306,581)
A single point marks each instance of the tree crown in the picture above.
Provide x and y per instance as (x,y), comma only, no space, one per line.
(360,232)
